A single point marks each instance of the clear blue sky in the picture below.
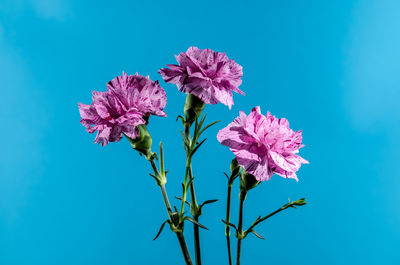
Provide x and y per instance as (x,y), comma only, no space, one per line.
(331,67)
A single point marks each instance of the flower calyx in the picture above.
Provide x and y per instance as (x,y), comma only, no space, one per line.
(247,182)
(193,108)
(143,143)
(235,169)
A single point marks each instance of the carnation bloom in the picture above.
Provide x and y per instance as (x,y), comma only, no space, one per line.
(127,103)
(210,76)
(263,145)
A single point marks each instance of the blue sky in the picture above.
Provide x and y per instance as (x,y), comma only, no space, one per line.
(331,68)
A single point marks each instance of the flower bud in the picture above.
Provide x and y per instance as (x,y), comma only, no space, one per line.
(193,108)
(143,142)
(247,181)
(234,167)
(299,202)
(293,204)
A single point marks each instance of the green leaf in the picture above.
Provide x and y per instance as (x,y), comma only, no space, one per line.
(197,147)
(195,134)
(226,175)
(207,202)
(162,159)
(179,198)
(195,222)
(182,118)
(208,126)
(186,142)
(202,120)
(230,224)
(153,177)
(160,230)
(190,181)
(257,234)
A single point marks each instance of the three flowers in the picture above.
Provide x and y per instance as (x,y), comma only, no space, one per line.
(262,144)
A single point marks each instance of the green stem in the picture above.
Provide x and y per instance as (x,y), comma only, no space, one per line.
(228,216)
(184,193)
(284,207)
(271,214)
(179,235)
(197,241)
(166,201)
(196,229)
(193,202)
(242,197)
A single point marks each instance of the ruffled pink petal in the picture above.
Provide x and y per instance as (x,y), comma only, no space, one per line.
(200,87)
(224,96)
(254,165)
(286,164)
(264,145)
(186,61)
(103,135)
(256,123)
(234,136)
(209,75)
(173,75)
(127,103)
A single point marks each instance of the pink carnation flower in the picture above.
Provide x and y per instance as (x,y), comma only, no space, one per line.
(127,103)
(210,76)
(264,145)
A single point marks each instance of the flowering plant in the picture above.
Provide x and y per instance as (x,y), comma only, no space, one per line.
(262,145)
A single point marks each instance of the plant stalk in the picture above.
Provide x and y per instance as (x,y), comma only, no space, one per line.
(228,216)
(240,226)
(193,202)
(179,235)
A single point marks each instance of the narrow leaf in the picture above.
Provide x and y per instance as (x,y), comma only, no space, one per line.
(226,175)
(179,198)
(162,159)
(208,202)
(201,124)
(190,181)
(208,126)
(180,117)
(195,222)
(196,124)
(153,176)
(230,224)
(186,143)
(257,234)
(160,230)
(197,147)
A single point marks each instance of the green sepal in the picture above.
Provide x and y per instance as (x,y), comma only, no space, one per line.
(235,171)
(247,181)
(142,143)
(193,108)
